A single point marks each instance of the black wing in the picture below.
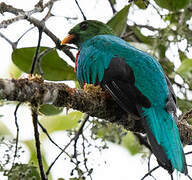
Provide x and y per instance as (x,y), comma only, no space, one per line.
(119,80)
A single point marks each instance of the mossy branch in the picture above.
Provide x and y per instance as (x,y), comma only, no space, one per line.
(91,100)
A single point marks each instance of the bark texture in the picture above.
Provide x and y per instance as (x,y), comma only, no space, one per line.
(92,100)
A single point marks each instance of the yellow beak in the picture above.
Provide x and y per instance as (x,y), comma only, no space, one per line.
(68,39)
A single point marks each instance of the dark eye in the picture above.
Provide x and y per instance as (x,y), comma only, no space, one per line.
(83,26)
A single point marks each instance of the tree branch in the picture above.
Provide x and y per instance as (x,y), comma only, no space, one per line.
(54,38)
(34,110)
(91,100)
(8,8)
(21,15)
(6,23)
(84,17)
(112,6)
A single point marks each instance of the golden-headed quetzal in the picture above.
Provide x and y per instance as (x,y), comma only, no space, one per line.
(137,83)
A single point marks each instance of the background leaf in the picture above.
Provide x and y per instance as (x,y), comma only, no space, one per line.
(4,130)
(61,122)
(172,5)
(142,4)
(33,156)
(148,40)
(113,1)
(14,71)
(184,105)
(23,172)
(185,69)
(49,110)
(130,142)
(119,21)
(54,68)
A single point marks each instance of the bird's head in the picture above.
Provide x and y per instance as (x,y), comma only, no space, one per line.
(86,30)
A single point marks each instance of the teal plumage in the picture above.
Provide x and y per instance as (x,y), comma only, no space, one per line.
(99,50)
(137,83)
(166,133)
(94,58)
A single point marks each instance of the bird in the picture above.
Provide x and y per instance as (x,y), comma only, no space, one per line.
(136,81)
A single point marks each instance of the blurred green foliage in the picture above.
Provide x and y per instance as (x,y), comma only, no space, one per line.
(49,110)
(119,21)
(24,172)
(53,67)
(172,5)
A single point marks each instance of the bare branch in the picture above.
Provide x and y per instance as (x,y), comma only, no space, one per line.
(77,135)
(21,14)
(55,39)
(49,3)
(75,138)
(23,35)
(112,7)
(35,59)
(48,136)
(6,23)
(48,13)
(17,134)
(92,101)
(41,55)
(84,17)
(39,7)
(9,41)
(34,110)
(39,4)
(8,8)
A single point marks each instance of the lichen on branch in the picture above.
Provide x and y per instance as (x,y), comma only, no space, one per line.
(92,100)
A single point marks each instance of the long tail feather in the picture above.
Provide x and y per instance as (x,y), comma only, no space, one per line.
(164,138)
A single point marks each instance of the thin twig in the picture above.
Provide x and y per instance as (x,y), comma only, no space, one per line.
(188,153)
(6,23)
(49,3)
(39,4)
(54,38)
(34,110)
(47,134)
(77,135)
(17,134)
(85,159)
(149,159)
(187,115)
(84,17)
(21,15)
(74,138)
(8,8)
(48,170)
(79,132)
(9,41)
(41,55)
(14,44)
(149,173)
(24,34)
(45,131)
(39,7)
(37,51)
(112,7)
(189,177)
(47,16)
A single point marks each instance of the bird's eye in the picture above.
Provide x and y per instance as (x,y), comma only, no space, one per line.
(84,26)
